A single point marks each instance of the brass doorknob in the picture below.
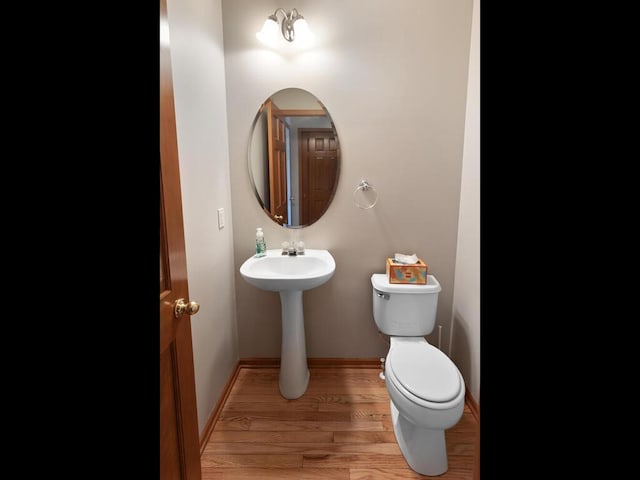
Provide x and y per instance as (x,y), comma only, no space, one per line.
(181,308)
(278,217)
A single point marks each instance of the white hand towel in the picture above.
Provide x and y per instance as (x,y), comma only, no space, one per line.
(406,259)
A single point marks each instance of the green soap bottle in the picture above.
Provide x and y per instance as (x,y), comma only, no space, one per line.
(261,246)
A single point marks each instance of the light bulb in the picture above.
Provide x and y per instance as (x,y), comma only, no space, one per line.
(303,32)
(269,32)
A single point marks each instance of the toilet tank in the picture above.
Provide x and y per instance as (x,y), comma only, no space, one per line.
(404,310)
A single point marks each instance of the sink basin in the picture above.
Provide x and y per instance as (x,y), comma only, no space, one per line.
(290,276)
(277,272)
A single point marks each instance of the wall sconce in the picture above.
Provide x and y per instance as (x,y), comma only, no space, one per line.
(269,32)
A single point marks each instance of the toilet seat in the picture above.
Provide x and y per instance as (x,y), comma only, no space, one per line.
(423,371)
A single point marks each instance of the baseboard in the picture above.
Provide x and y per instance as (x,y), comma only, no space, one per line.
(475,411)
(259,362)
(204,438)
(473,405)
(344,362)
(329,362)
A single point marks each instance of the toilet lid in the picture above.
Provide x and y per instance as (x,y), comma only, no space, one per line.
(425,371)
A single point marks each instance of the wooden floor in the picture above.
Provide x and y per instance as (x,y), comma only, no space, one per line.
(340,429)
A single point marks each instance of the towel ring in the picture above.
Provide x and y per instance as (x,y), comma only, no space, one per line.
(367,190)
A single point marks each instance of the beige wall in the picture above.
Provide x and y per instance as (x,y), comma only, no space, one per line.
(393,76)
(199,88)
(465,336)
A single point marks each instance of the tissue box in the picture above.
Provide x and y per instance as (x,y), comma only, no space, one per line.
(411,274)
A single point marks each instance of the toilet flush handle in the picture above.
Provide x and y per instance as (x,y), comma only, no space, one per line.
(382,295)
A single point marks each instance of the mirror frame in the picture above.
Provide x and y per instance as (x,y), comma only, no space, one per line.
(292,113)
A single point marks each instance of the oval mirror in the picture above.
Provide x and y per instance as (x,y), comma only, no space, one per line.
(294,158)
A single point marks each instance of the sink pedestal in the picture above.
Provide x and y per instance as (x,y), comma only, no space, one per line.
(290,276)
(294,373)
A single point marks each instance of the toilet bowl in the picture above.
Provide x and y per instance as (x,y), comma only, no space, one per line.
(426,389)
(427,397)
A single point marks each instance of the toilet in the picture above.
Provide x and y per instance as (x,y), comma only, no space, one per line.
(425,387)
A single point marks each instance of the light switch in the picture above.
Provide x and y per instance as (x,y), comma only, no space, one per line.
(220,218)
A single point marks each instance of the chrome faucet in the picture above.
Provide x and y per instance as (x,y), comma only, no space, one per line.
(292,249)
(288,249)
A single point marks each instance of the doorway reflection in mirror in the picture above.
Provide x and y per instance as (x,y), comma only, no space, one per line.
(294,158)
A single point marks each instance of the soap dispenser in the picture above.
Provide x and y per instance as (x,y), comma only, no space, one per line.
(261,246)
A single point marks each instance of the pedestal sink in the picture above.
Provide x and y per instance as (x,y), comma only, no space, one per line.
(290,275)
